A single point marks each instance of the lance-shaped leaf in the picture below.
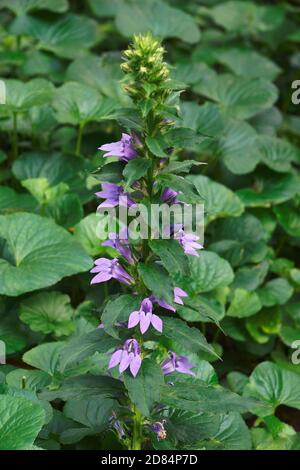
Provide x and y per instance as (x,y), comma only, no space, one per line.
(171,254)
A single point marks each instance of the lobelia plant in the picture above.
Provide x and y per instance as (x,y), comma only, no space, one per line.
(144,322)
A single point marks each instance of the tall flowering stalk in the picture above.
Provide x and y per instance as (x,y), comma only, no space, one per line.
(146,148)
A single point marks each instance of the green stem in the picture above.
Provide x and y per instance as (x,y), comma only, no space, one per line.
(15,137)
(79,140)
(137,435)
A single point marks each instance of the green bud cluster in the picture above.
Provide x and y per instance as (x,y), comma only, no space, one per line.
(147,75)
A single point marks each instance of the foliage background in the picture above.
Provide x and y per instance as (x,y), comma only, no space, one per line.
(60,61)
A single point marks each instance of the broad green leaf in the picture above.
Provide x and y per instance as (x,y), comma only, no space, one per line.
(208,271)
(272,190)
(45,357)
(219,201)
(157,17)
(244,304)
(201,308)
(27,379)
(180,184)
(79,104)
(68,36)
(248,63)
(171,254)
(233,434)
(250,277)
(274,385)
(20,422)
(275,292)
(206,119)
(277,154)
(239,97)
(177,167)
(157,281)
(185,426)
(20,7)
(83,346)
(135,170)
(86,233)
(20,96)
(118,310)
(267,322)
(32,244)
(144,389)
(48,312)
(11,201)
(93,413)
(288,217)
(238,148)
(184,337)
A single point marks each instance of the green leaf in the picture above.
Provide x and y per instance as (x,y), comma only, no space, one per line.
(239,97)
(233,434)
(10,201)
(157,281)
(135,170)
(201,309)
(238,148)
(267,322)
(68,36)
(157,17)
(144,389)
(219,201)
(86,233)
(34,243)
(205,119)
(248,63)
(27,379)
(189,427)
(94,412)
(184,337)
(208,271)
(83,346)
(244,304)
(19,7)
(20,97)
(171,254)
(180,184)
(20,422)
(118,310)
(271,190)
(183,166)
(48,312)
(45,357)
(275,292)
(288,217)
(275,386)
(79,104)
(277,154)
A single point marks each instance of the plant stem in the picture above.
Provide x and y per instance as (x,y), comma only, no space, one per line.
(137,435)
(79,139)
(15,136)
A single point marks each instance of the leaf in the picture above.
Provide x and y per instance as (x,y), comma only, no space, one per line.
(45,357)
(118,310)
(208,271)
(48,312)
(219,200)
(238,148)
(144,389)
(244,304)
(181,185)
(93,412)
(86,233)
(157,281)
(189,339)
(189,427)
(83,346)
(67,37)
(135,170)
(248,63)
(239,97)
(184,166)
(171,254)
(275,292)
(20,97)
(34,243)
(206,119)
(79,104)
(201,309)
(157,17)
(27,379)
(10,201)
(288,217)
(19,7)
(277,154)
(272,190)
(274,385)
(232,435)
(20,422)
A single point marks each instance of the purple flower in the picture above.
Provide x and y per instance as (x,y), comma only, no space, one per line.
(169,196)
(178,293)
(110,269)
(123,149)
(145,317)
(115,196)
(117,425)
(188,241)
(121,244)
(128,356)
(177,363)
(159,429)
